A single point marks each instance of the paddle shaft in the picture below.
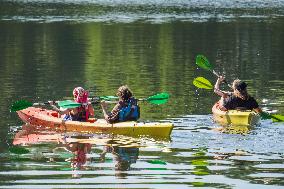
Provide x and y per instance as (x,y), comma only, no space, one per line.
(41,103)
(140,99)
(215,73)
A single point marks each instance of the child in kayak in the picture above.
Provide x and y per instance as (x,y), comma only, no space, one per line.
(126,108)
(81,113)
(238,99)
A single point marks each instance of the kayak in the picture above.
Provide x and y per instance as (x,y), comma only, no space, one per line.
(235,117)
(50,119)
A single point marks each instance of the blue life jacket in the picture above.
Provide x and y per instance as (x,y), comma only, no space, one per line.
(131,112)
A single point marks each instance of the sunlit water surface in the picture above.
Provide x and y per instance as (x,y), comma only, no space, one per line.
(49,47)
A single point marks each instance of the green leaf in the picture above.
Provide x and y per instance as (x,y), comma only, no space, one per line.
(203,62)
(20,105)
(201,82)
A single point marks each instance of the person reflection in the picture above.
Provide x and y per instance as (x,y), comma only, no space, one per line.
(30,135)
(123,156)
(80,151)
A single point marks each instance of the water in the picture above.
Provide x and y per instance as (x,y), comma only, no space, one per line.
(49,47)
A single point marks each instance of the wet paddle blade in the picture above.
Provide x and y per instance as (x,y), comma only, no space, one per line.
(203,62)
(201,82)
(20,105)
(277,118)
(158,99)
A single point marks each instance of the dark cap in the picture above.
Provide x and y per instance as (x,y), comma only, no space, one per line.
(241,86)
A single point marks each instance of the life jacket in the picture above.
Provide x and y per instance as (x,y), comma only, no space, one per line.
(130,112)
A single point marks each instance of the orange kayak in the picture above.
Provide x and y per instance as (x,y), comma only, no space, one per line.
(234,117)
(50,119)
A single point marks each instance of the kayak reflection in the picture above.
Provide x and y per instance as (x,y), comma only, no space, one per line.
(235,129)
(71,151)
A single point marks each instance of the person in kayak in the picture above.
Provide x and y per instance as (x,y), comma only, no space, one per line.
(81,113)
(238,99)
(126,109)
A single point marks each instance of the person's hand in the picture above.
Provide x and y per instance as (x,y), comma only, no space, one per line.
(103,104)
(103,157)
(221,78)
(51,102)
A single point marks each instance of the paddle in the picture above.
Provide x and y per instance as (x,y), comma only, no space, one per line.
(23,104)
(157,99)
(96,98)
(201,82)
(203,62)
(160,98)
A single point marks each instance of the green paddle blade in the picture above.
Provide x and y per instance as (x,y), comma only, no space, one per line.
(157,161)
(18,150)
(68,104)
(265,115)
(201,82)
(203,62)
(275,117)
(108,98)
(160,98)
(20,105)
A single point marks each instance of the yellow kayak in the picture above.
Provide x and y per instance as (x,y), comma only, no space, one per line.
(50,119)
(235,117)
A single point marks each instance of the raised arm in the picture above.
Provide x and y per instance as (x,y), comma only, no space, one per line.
(217,89)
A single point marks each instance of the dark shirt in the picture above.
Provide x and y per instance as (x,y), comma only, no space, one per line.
(233,102)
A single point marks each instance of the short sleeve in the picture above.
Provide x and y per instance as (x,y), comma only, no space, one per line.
(253,103)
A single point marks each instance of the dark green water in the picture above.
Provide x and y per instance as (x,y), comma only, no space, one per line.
(48,48)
